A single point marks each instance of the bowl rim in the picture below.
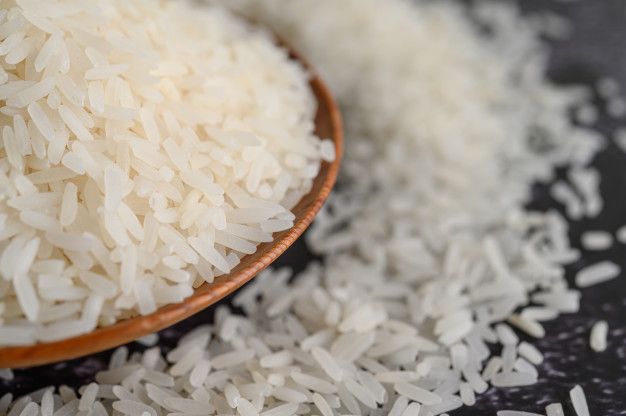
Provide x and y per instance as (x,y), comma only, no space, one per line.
(127,330)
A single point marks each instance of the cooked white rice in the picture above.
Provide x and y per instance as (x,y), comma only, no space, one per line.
(146,148)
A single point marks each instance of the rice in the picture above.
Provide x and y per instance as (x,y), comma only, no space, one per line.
(579,401)
(69,408)
(598,336)
(313,383)
(506,334)
(231,359)
(322,405)
(102,143)
(467,394)
(620,234)
(399,406)
(513,379)
(476,382)
(554,409)
(608,87)
(587,114)
(188,405)
(6,374)
(199,373)
(16,335)
(427,251)
(531,327)
(564,194)
(616,107)
(281,410)
(596,240)
(360,393)
(31,409)
(232,395)
(289,395)
(132,408)
(529,352)
(88,397)
(523,366)
(47,403)
(327,363)
(413,409)
(418,394)
(539,313)
(245,408)
(597,273)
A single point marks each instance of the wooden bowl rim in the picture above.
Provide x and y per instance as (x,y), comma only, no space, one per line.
(127,330)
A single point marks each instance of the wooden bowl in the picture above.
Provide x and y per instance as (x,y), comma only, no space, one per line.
(328,125)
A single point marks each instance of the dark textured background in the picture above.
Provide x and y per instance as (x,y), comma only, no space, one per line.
(596,48)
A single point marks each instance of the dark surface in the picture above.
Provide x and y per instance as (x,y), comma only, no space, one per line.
(596,48)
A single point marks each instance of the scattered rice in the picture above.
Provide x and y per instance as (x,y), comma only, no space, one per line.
(579,401)
(6,374)
(554,409)
(598,336)
(467,394)
(616,107)
(529,326)
(596,240)
(88,397)
(608,87)
(586,181)
(530,352)
(587,114)
(418,394)
(506,335)
(412,409)
(149,340)
(620,235)
(563,193)
(597,273)
(513,379)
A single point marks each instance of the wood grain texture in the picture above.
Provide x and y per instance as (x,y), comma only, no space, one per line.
(328,124)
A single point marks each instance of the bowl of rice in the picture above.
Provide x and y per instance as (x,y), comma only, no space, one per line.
(155,156)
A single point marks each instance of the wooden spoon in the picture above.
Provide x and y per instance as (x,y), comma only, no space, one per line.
(328,125)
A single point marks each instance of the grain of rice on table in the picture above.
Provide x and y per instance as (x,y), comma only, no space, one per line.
(146,147)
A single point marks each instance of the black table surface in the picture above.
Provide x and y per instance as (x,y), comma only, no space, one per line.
(597,48)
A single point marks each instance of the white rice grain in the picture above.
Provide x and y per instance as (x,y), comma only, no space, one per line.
(69,205)
(579,401)
(418,394)
(596,240)
(598,336)
(554,409)
(597,273)
(327,363)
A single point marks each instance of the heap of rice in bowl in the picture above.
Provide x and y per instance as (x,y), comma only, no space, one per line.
(147,146)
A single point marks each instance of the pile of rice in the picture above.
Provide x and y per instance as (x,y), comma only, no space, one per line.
(147,146)
(431,264)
